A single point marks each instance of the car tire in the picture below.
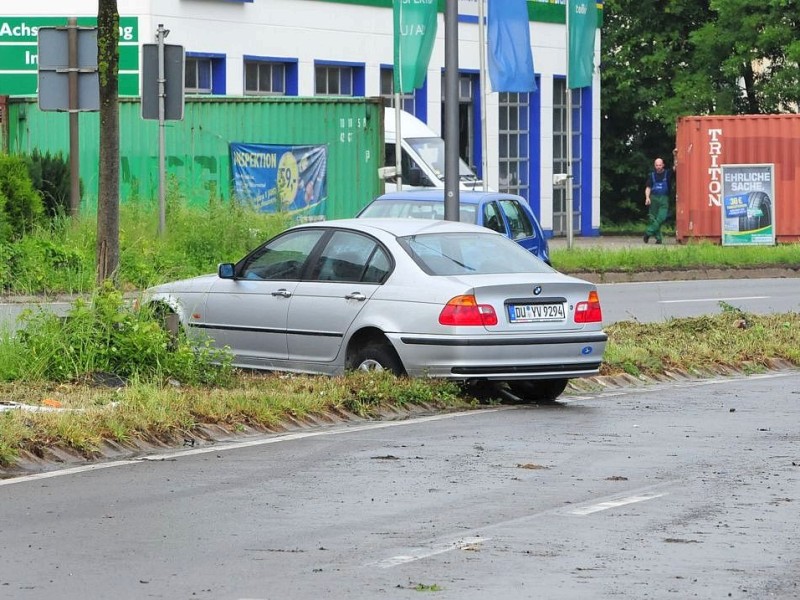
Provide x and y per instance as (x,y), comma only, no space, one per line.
(170,322)
(538,390)
(376,357)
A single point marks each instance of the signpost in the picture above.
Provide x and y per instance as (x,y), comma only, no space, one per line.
(162,99)
(68,81)
(19,55)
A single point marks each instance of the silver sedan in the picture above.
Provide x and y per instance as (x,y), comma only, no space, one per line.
(422,298)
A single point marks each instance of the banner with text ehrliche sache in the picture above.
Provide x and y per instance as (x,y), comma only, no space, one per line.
(414,35)
(748,205)
(274,178)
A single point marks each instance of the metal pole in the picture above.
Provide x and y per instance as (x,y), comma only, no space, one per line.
(74,136)
(451,175)
(568,191)
(484,93)
(569,168)
(162,150)
(398,143)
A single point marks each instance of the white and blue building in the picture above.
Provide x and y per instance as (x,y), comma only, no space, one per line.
(345,48)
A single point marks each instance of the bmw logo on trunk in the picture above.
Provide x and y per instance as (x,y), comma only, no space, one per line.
(537,290)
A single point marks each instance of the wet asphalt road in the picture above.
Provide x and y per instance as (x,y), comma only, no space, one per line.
(683,490)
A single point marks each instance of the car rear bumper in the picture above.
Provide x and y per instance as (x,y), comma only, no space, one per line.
(502,357)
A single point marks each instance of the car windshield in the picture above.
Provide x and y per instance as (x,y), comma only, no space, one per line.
(416,209)
(470,253)
(431,150)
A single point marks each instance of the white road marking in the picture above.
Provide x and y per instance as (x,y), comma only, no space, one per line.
(600,506)
(422,553)
(476,536)
(222,447)
(688,300)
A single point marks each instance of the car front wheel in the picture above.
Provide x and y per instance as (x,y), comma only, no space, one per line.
(538,390)
(376,357)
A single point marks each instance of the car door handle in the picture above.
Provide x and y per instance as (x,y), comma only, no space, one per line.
(283,293)
(355,296)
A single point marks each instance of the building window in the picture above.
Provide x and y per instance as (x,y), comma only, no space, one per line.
(261,77)
(514,140)
(198,75)
(468,88)
(407,101)
(204,73)
(560,164)
(334,81)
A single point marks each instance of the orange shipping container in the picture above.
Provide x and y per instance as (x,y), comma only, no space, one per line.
(706,143)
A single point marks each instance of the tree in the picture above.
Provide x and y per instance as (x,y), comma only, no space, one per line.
(108,184)
(744,60)
(664,60)
(644,45)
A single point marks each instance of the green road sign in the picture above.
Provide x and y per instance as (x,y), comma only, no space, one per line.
(19,60)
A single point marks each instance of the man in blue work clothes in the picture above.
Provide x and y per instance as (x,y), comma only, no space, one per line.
(657,191)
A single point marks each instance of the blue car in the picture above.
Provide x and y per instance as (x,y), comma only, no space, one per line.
(505,213)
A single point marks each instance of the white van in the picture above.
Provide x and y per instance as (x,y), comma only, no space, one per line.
(423,156)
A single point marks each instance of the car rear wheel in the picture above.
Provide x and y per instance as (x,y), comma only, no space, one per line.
(170,323)
(376,357)
(538,390)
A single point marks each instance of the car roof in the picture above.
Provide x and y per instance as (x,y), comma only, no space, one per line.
(437,195)
(401,227)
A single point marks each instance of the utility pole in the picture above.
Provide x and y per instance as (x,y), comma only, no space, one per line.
(451,174)
(161,33)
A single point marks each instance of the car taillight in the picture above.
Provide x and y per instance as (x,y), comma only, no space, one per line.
(465,310)
(589,311)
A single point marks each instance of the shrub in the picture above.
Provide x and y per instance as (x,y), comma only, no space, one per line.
(51,178)
(20,203)
(105,336)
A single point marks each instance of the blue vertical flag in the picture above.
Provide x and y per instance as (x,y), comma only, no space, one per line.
(582,23)
(509,38)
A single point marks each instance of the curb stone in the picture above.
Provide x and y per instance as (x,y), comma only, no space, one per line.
(207,434)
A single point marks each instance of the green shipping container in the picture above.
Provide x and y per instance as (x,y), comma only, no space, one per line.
(198,154)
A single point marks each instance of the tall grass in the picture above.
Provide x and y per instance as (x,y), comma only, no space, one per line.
(105,337)
(59,257)
(702,255)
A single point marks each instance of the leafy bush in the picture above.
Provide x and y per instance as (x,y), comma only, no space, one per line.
(105,336)
(59,255)
(20,203)
(51,177)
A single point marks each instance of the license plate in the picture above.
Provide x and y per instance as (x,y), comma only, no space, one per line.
(534,313)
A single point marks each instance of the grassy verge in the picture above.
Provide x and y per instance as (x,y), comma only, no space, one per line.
(157,408)
(702,255)
(87,417)
(60,257)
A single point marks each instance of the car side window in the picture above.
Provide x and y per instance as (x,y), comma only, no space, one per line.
(518,221)
(352,257)
(492,219)
(282,258)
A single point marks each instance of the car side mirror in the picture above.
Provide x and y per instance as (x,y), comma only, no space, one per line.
(415,177)
(225,271)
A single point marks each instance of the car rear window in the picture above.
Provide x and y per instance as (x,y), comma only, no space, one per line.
(414,209)
(470,254)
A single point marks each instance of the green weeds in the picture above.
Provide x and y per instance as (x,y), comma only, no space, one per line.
(58,256)
(702,255)
(733,339)
(103,336)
